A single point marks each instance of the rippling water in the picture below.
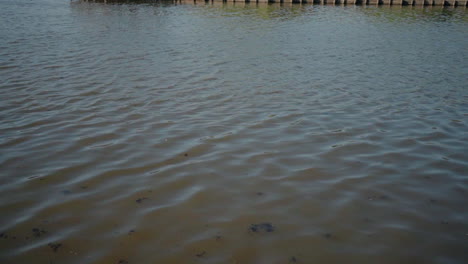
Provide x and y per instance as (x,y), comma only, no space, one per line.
(232,133)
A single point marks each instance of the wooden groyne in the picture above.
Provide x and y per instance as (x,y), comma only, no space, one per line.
(453,3)
(447,3)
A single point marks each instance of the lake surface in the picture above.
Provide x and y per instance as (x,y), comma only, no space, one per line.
(232,133)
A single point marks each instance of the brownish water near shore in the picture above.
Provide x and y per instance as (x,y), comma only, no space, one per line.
(232,133)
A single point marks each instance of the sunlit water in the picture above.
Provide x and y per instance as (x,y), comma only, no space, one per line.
(232,133)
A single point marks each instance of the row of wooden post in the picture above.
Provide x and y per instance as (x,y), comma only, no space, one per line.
(455,3)
(459,3)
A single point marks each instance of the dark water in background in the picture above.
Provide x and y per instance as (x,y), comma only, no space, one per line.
(159,133)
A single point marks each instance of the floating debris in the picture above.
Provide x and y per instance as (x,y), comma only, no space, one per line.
(122,261)
(262,227)
(140,200)
(55,246)
(201,254)
(186,154)
(260,193)
(292,259)
(38,232)
(327,235)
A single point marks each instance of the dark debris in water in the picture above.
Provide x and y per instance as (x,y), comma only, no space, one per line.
(201,254)
(327,235)
(122,261)
(4,235)
(292,259)
(55,246)
(37,232)
(261,227)
(140,200)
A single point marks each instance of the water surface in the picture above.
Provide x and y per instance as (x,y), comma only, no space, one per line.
(156,132)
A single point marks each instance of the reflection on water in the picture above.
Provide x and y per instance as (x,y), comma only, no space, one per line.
(154,132)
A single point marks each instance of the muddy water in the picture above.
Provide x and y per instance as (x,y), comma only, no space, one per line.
(232,133)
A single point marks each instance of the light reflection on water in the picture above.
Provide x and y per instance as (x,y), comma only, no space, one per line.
(154,132)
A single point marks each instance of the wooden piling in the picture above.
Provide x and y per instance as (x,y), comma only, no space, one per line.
(454,3)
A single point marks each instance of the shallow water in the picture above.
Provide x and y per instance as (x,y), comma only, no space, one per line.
(232,133)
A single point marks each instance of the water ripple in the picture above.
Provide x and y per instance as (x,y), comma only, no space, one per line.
(160,132)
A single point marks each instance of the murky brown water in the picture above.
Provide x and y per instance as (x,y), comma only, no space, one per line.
(232,133)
